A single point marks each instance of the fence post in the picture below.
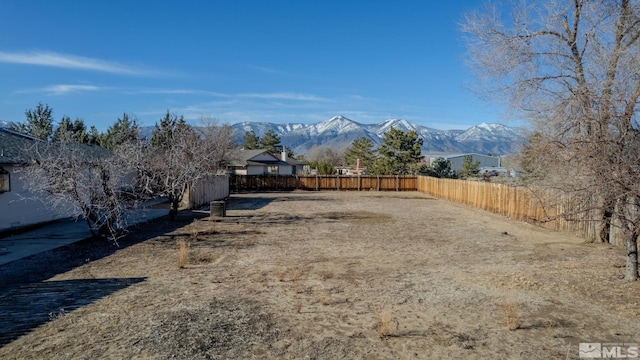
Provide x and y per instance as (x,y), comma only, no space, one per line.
(359,181)
(338,182)
(317,184)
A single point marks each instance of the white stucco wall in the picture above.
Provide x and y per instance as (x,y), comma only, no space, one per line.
(19,207)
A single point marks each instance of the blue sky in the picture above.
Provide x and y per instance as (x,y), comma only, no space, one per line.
(271,60)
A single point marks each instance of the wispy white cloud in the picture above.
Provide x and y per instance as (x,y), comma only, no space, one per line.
(63,89)
(267,70)
(52,59)
(284,96)
(177,92)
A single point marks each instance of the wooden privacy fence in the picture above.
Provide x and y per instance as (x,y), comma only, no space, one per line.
(323,182)
(207,190)
(520,203)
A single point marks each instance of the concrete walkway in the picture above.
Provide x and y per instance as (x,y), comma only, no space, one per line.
(58,234)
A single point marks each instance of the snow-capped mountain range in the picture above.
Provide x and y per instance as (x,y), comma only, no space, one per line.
(339,132)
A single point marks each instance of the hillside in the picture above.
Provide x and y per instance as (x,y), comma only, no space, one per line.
(340,132)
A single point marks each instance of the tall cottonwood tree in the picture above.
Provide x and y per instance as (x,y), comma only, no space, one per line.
(179,155)
(573,69)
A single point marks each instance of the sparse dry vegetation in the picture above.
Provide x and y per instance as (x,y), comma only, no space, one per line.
(287,278)
(512,314)
(183,253)
(386,324)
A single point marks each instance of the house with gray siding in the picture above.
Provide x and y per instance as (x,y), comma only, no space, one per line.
(262,162)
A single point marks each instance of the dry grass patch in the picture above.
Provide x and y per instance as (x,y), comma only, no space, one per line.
(511,310)
(386,324)
(183,253)
(323,288)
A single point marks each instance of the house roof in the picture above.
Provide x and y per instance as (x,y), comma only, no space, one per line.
(17,148)
(269,163)
(14,146)
(246,155)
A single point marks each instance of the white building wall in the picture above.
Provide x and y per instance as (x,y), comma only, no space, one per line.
(19,207)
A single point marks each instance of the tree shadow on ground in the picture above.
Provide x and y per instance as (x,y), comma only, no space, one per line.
(255,203)
(27,300)
(27,306)
(47,264)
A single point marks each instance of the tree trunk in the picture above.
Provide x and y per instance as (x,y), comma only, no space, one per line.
(627,211)
(631,246)
(605,225)
(173,211)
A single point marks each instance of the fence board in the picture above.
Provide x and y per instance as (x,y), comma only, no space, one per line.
(323,182)
(520,203)
(207,190)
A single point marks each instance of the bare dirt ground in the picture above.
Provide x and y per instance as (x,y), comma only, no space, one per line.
(333,275)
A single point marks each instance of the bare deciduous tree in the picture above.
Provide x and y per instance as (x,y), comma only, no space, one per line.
(331,155)
(84,181)
(179,155)
(573,69)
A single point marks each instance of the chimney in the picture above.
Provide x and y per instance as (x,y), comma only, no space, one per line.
(284,156)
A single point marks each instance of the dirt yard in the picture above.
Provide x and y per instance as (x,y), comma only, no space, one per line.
(329,275)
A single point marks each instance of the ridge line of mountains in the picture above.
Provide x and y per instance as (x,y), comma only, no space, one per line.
(339,132)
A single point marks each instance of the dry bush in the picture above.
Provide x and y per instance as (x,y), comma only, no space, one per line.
(386,324)
(326,274)
(323,297)
(512,314)
(194,235)
(259,276)
(294,274)
(298,274)
(549,325)
(183,253)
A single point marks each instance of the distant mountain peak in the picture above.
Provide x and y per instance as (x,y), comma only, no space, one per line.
(339,118)
(339,132)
